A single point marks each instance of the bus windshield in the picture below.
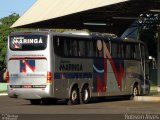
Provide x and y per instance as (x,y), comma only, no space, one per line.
(28,42)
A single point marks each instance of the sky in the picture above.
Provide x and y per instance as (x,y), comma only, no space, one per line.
(7,7)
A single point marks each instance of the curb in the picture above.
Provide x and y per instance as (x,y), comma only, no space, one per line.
(147,98)
(3,94)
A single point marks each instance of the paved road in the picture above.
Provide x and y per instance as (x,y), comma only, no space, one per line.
(109,108)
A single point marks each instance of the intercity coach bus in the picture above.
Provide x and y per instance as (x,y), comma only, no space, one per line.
(46,66)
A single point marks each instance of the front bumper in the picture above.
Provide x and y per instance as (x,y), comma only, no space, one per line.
(30,93)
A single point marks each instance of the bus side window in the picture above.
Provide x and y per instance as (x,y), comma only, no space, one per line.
(133,52)
(128,51)
(89,48)
(67,48)
(74,47)
(136,52)
(59,46)
(114,50)
(143,51)
(119,55)
(122,51)
(81,48)
(92,50)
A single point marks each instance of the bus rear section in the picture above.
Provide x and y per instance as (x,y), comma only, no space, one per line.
(29,76)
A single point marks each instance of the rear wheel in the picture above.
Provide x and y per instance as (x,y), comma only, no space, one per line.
(74,96)
(85,95)
(35,101)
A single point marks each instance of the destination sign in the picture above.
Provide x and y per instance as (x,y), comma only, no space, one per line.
(28,42)
(22,40)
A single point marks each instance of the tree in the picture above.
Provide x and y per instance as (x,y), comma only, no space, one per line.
(5,24)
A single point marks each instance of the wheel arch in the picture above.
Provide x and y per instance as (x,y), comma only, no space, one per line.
(84,85)
(71,87)
(136,83)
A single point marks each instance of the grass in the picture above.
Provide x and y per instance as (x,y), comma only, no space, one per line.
(3,91)
(153,90)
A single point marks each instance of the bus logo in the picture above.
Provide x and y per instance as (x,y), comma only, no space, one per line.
(17,46)
(27,66)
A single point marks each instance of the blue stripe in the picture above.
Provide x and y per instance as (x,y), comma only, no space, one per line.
(98,71)
(72,75)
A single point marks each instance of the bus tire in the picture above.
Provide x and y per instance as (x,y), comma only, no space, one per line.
(135,91)
(85,95)
(35,101)
(74,96)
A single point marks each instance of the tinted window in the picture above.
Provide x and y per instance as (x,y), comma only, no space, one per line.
(143,53)
(79,47)
(28,42)
(70,47)
(135,51)
(128,51)
(114,50)
(89,49)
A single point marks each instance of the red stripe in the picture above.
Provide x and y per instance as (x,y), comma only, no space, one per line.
(118,76)
(105,75)
(27,57)
(26,64)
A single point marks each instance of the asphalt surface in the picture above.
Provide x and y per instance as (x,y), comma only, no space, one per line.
(117,108)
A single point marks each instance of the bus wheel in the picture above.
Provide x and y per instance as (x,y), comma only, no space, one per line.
(85,95)
(135,92)
(35,101)
(74,96)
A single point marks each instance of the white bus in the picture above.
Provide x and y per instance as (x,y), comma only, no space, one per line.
(45,66)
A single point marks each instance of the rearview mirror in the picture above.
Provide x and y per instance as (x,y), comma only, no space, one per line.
(153,62)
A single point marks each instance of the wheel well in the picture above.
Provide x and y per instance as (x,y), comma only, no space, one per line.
(135,84)
(85,85)
(74,86)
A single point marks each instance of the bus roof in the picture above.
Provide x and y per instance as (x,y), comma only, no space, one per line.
(80,34)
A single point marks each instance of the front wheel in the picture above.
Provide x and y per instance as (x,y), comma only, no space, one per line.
(85,95)
(135,92)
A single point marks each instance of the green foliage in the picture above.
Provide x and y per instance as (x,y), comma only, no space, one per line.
(5,24)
